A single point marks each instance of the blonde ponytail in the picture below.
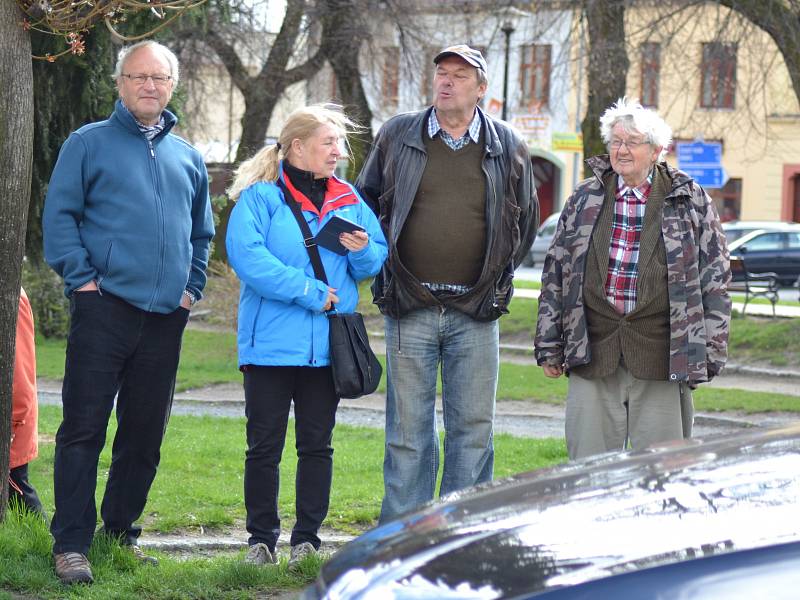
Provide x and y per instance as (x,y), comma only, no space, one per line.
(261,167)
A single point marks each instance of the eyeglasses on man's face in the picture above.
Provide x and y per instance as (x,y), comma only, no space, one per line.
(141,78)
(631,145)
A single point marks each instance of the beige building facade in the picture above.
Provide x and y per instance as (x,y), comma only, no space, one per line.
(714,77)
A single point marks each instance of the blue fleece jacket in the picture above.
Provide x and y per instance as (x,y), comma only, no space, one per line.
(281,322)
(130,214)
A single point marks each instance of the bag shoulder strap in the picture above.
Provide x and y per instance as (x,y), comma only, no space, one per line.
(308,237)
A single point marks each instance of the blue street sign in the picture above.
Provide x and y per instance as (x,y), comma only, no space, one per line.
(699,153)
(703,162)
(713,177)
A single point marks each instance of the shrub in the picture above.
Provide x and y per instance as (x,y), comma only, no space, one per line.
(46,293)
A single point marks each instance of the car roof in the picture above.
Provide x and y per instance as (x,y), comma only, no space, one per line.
(740,225)
(590,519)
(758,232)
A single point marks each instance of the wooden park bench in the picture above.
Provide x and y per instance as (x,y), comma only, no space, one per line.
(754,285)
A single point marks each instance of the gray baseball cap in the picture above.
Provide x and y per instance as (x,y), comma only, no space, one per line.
(472,56)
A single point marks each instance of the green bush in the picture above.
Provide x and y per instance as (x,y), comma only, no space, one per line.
(46,293)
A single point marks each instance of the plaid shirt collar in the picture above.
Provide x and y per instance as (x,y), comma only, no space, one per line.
(641,191)
(473,132)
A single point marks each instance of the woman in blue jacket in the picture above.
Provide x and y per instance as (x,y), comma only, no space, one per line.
(283,329)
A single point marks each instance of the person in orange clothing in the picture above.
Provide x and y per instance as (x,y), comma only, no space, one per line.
(24,412)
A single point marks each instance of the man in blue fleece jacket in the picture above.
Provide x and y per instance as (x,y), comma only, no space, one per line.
(127,224)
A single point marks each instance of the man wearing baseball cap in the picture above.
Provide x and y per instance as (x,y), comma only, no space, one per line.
(455,194)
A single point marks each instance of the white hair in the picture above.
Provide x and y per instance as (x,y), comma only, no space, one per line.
(634,118)
(161,49)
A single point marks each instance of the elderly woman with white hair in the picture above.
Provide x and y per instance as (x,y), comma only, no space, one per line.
(634,304)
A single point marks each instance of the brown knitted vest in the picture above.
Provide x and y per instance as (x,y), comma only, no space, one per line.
(444,237)
(640,338)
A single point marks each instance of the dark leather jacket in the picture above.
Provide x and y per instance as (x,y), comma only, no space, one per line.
(389,181)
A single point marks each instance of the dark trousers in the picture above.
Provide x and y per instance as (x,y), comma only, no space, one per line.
(268,393)
(21,491)
(112,347)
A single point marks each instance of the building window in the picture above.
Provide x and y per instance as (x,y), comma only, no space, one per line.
(651,71)
(718,75)
(535,75)
(390,76)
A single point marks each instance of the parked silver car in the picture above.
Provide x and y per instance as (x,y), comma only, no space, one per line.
(544,236)
(736,229)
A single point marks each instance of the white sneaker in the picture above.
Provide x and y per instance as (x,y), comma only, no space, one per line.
(299,552)
(259,554)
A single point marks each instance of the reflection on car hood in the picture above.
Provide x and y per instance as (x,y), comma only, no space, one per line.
(583,521)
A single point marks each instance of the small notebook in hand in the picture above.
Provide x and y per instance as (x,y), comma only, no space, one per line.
(328,236)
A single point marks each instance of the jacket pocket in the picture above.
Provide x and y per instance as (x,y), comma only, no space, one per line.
(255,323)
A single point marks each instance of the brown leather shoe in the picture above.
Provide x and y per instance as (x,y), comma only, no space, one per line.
(73,567)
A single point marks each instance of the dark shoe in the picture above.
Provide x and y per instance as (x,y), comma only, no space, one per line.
(259,554)
(73,567)
(299,552)
(140,556)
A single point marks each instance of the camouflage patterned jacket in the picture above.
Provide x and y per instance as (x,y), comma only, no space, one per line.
(698,273)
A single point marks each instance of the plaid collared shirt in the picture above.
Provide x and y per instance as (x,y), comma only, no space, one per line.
(473,132)
(623,252)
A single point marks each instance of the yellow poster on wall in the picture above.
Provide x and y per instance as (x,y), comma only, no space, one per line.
(568,142)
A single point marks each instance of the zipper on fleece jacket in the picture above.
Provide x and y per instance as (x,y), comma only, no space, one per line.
(161,219)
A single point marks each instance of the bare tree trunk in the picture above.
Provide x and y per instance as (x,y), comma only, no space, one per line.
(16,148)
(608,67)
(343,33)
(781,21)
(261,91)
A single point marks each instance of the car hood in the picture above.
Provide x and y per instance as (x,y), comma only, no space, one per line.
(582,521)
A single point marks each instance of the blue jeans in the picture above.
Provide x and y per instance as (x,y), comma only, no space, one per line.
(468,352)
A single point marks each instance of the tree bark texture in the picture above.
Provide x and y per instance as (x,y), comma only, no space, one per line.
(344,31)
(781,21)
(607,67)
(16,148)
(261,91)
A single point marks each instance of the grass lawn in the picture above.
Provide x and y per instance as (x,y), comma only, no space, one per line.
(26,568)
(207,357)
(199,485)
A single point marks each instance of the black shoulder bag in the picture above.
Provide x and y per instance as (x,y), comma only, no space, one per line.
(356,370)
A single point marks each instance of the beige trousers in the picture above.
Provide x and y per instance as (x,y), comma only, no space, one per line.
(620,412)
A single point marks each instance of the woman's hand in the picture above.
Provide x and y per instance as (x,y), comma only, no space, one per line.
(332,299)
(354,241)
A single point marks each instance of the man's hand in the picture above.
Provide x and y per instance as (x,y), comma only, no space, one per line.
(354,241)
(332,299)
(552,371)
(88,287)
(186,302)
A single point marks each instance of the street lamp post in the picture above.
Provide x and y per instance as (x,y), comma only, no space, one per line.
(507,29)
